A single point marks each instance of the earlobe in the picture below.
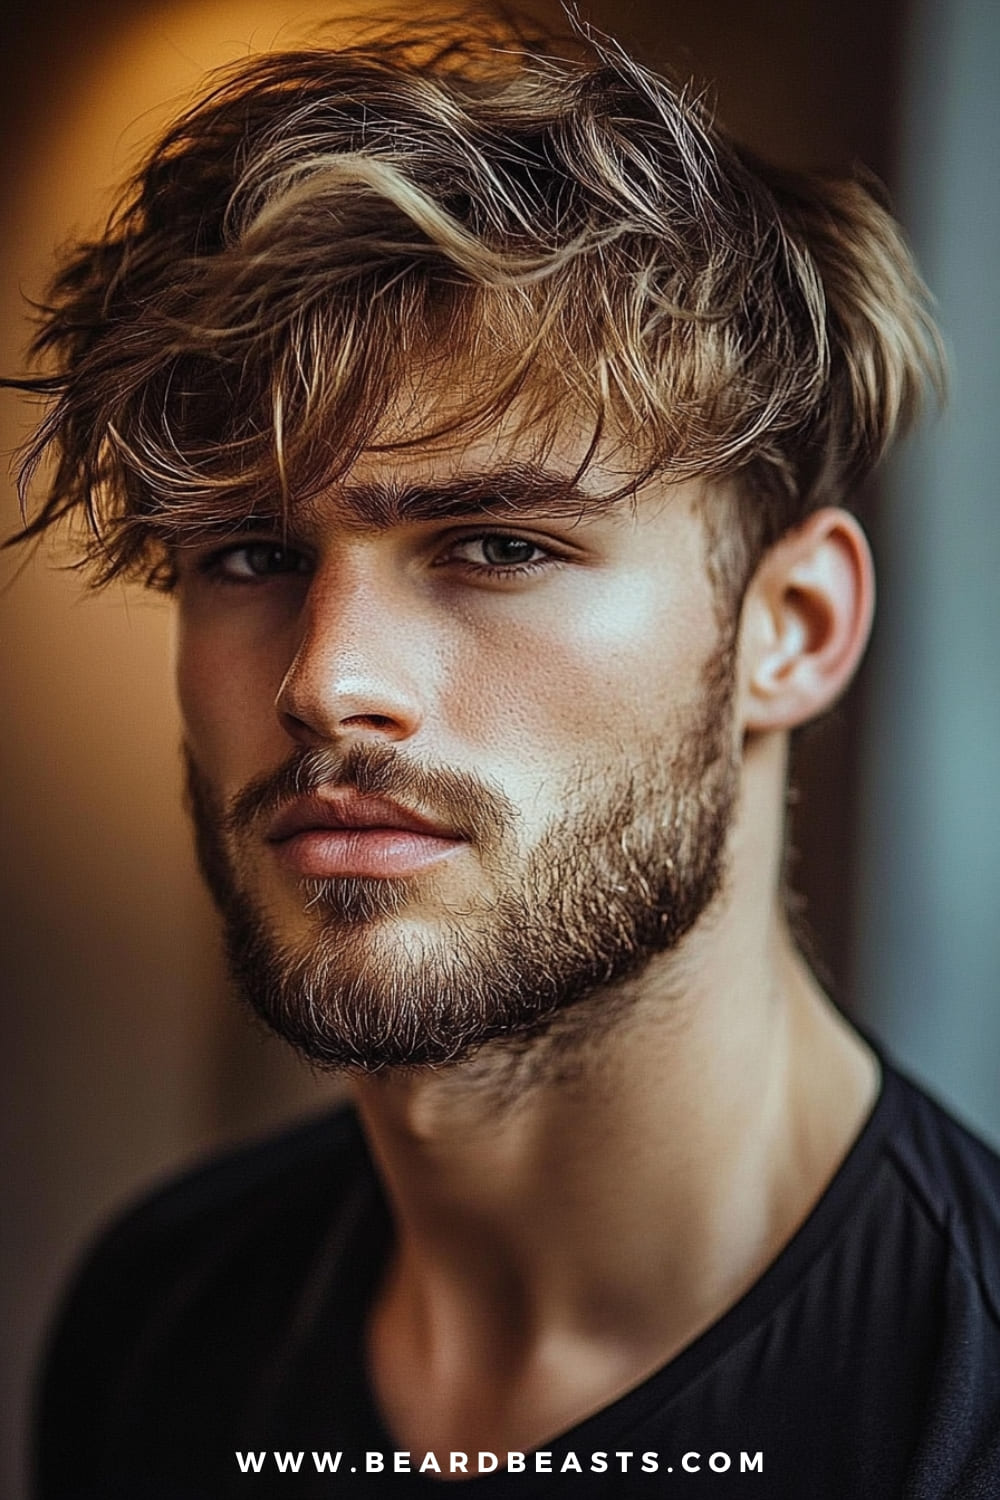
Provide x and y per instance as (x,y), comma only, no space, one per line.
(806,621)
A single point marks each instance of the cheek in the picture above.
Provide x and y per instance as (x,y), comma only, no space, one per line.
(226,698)
(607,666)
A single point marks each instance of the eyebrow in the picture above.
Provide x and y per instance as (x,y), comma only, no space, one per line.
(507,492)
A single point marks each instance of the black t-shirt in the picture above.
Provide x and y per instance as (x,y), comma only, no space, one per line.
(218,1329)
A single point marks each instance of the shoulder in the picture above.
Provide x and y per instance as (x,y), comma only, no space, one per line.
(952,1179)
(190,1284)
(945,1227)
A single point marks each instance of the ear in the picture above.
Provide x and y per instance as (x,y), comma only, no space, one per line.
(806,620)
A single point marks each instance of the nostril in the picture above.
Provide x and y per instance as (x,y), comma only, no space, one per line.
(368,721)
(297,728)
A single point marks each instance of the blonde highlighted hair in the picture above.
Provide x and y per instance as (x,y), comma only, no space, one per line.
(566,230)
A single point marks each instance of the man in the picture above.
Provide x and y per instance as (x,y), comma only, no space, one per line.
(491,417)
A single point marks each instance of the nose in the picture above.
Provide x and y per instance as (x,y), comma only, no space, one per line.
(358,669)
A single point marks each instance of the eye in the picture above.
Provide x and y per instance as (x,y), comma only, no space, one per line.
(498,553)
(504,551)
(255,562)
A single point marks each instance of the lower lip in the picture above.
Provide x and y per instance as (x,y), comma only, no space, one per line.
(381,853)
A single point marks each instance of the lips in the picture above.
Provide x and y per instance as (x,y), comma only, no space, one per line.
(343,833)
(345,810)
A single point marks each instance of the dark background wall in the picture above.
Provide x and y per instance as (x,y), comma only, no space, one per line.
(125,1055)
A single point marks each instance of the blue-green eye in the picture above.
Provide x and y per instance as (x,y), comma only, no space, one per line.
(496,553)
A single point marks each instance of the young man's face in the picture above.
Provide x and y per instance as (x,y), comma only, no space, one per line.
(453,771)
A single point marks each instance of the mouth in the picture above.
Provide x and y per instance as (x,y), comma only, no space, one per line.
(344,833)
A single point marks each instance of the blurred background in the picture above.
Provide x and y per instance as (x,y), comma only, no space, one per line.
(124,1056)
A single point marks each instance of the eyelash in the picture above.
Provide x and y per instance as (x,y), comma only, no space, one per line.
(499,571)
(212,566)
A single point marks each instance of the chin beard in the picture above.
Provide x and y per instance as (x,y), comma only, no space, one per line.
(620,878)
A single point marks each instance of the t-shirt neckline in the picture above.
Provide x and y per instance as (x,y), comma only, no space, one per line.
(367,1247)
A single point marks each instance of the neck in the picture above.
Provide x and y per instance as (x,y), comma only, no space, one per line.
(571,1215)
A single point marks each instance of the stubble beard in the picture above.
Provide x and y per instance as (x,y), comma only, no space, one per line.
(621,875)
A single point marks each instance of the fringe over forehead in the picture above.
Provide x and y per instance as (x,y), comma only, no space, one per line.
(328,226)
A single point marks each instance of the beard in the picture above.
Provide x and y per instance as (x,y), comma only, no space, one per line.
(622,873)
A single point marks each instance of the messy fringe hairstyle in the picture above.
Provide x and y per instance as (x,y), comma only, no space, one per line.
(556,227)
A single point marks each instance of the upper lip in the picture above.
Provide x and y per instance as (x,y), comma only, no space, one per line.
(347,809)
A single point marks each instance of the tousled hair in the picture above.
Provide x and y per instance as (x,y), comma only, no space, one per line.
(556,230)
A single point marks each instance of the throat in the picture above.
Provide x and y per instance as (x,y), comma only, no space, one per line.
(550,1258)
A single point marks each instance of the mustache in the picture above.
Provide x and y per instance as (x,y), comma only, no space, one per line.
(470,806)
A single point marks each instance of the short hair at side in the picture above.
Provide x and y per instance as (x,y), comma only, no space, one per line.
(560,225)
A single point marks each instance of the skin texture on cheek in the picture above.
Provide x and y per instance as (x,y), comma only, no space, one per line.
(614,650)
(226,691)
